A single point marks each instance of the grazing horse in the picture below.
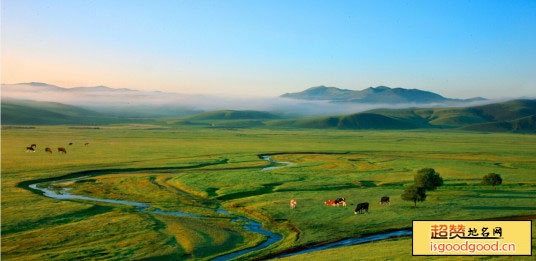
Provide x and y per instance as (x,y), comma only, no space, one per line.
(30,149)
(87,143)
(62,149)
(292,203)
(48,150)
(385,200)
(360,207)
(70,143)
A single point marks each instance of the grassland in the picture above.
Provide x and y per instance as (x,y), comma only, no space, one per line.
(190,168)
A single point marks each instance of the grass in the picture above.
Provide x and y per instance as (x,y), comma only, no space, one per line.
(173,169)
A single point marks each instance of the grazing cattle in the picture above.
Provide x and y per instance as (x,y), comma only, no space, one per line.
(292,203)
(360,207)
(385,200)
(61,149)
(30,149)
(340,201)
(70,143)
(87,143)
(330,202)
(48,150)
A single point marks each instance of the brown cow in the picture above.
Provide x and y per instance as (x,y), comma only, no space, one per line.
(61,149)
(87,143)
(330,202)
(293,203)
(48,150)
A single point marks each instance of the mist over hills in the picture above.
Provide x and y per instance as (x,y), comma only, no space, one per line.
(143,104)
(380,94)
(512,116)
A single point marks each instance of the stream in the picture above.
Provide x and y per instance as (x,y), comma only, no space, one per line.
(250,225)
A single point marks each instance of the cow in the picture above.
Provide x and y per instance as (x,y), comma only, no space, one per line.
(360,207)
(34,146)
(30,149)
(87,143)
(330,202)
(70,143)
(48,150)
(340,201)
(385,200)
(61,149)
(292,203)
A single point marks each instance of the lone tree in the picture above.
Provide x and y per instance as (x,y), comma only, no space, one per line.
(492,179)
(414,193)
(428,179)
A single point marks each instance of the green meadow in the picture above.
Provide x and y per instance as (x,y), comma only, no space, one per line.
(194,169)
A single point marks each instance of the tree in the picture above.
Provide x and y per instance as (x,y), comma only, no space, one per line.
(492,179)
(414,193)
(428,179)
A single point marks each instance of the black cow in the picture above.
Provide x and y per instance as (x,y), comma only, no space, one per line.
(360,207)
(385,200)
(30,149)
(70,143)
(340,201)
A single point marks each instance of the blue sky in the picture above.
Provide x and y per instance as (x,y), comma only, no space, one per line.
(265,48)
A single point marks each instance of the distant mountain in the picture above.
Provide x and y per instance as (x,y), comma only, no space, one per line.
(512,116)
(234,115)
(32,90)
(120,102)
(25,112)
(380,94)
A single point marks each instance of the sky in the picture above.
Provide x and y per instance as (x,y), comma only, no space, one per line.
(459,49)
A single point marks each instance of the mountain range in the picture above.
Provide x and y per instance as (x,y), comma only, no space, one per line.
(380,94)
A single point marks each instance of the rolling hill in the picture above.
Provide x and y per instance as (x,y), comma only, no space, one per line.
(380,94)
(353,121)
(234,115)
(26,112)
(514,116)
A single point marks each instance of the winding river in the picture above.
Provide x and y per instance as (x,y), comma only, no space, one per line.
(250,225)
